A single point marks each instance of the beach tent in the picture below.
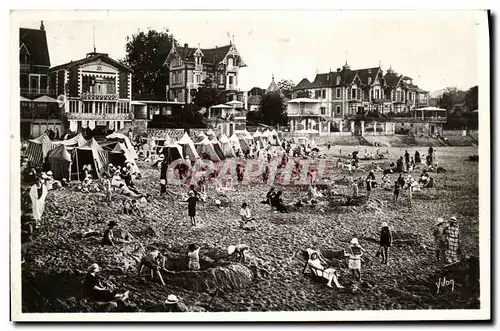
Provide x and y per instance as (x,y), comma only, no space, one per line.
(226,146)
(206,150)
(119,155)
(77,140)
(199,138)
(60,162)
(274,134)
(247,136)
(123,139)
(217,148)
(243,145)
(38,149)
(188,148)
(93,154)
(172,152)
(235,142)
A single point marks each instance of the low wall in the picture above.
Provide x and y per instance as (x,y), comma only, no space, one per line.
(178,133)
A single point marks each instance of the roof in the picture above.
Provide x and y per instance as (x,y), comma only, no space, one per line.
(273,87)
(392,78)
(364,74)
(91,58)
(36,44)
(304,83)
(210,55)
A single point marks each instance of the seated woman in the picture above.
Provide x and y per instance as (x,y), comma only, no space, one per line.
(277,202)
(424,178)
(319,270)
(123,189)
(247,221)
(269,196)
(93,288)
(386,182)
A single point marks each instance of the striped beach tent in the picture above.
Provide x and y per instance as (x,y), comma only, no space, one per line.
(77,140)
(38,149)
(93,154)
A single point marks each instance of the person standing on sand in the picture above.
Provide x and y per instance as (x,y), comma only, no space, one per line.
(451,235)
(437,233)
(38,194)
(385,241)
(397,188)
(355,259)
(193,257)
(192,199)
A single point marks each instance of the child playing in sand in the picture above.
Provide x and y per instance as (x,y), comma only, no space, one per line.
(193,256)
(397,187)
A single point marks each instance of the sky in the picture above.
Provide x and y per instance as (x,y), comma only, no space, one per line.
(437,49)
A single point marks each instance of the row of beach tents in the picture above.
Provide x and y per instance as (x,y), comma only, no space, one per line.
(66,158)
(207,146)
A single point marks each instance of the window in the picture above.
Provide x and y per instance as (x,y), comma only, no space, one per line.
(337,110)
(231,80)
(323,94)
(230,62)
(323,110)
(198,80)
(317,94)
(339,91)
(353,93)
(221,79)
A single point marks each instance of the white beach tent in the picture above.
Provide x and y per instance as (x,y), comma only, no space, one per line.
(217,147)
(206,150)
(123,138)
(226,146)
(188,148)
(235,142)
(276,137)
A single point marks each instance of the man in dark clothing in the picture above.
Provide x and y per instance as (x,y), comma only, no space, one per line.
(399,164)
(108,234)
(407,159)
(385,241)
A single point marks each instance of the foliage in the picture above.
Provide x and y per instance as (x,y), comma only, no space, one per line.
(450,97)
(471,98)
(286,87)
(273,109)
(304,94)
(208,95)
(145,54)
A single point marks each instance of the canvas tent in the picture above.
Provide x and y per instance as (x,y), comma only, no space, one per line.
(247,137)
(235,142)
(217,148)
(38,149)
(119,155)
(123,139)
(188,148)
(199,138)
(243,145)
(206,150)
(77,140)
(60,162)
(172,152)
(226,147)
(93,154)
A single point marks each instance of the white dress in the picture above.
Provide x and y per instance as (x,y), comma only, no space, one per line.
(38,204)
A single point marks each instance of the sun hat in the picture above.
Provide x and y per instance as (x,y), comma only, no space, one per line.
(163,182)
(191,193)
(44,175)
(171,299)
(94,268)
(453,218)
(50,173)
(231,249)
(354,241)
(440,220)
(384,225)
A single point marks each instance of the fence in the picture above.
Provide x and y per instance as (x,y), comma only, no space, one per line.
(178,133)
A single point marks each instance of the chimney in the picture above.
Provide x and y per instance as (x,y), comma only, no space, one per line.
(186,45)
(42,27)
(338,69)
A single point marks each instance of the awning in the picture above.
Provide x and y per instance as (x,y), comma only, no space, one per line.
(45,99)
(222,106)
(23,99)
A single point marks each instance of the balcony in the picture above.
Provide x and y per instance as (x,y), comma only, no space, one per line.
(37,91)
(198,67)
(99,117)
(51,113)
(232,87)
(232,68)
(96,96)
(23,67)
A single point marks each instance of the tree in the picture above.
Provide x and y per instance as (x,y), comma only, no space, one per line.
(145,54)
(272,107)
(304,94)
(471,98)
(208,96)
(450,97)
(286,87)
